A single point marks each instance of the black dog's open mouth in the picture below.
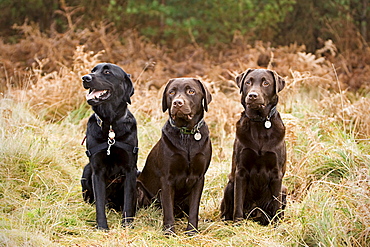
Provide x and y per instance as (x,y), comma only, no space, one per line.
(98,95)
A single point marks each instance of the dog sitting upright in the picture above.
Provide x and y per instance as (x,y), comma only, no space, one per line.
(255,186)
(175,168)
(111,140)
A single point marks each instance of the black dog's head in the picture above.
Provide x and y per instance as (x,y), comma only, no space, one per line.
(186,99)
(259,88)
(108,83)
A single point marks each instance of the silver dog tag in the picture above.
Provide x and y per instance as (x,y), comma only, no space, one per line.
(197,136)
(267,124)
(111,134)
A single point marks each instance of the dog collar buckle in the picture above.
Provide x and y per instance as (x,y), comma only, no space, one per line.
(99,121)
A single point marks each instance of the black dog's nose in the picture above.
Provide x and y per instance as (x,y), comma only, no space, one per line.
(178,102)
(252,95)
(87,78)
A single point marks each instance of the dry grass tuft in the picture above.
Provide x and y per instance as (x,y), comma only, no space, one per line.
(54,95)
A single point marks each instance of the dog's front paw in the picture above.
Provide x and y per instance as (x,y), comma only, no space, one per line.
(238,219)
(191,231)
(238,222)
(128,222)
(169,230)
(102,228)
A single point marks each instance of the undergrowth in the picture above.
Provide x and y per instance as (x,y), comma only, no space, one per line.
(42,125)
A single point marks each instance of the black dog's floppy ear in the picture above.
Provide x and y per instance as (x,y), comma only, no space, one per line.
(207,98)
(164,98)
(279,81)
(129,88)
(132,91)
(239,79)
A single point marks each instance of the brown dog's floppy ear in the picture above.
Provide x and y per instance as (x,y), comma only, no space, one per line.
(279,81)
(207,98)
(240,78)
(164,98)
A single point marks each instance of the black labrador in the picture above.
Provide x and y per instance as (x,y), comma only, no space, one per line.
(111,140)
(255,187)
(175,167)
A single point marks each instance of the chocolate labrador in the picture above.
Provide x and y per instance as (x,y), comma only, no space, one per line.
(255,186)
(175,167)
(111,140)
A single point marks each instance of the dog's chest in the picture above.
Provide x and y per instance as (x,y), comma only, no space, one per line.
(256,136)
(187,159)
(187,141)
(187,168)
(187,164)
(187,148)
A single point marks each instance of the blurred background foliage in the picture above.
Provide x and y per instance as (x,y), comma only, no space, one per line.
(177,23)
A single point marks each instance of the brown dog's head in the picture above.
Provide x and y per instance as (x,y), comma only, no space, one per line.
(259,88)
(186,99)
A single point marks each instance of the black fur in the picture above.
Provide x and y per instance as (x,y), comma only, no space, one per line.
(110,179)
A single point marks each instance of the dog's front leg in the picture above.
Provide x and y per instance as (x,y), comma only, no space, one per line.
(167,199)
(99,188)
(276,189)
(240,187)
(129,206)
(194,201)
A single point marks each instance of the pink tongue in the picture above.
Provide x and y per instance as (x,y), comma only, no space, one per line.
(94,94)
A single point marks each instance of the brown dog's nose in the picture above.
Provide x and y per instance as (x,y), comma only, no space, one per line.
(178,103)
(252,95)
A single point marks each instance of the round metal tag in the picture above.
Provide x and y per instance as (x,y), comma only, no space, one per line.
(197,136)
(111,134)
(267,124)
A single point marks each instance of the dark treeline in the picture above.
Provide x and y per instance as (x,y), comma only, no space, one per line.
(175,23)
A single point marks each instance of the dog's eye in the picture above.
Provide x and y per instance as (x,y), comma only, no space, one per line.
(171,92)
(191,91)
(248,83)
(265,83)
(107,72)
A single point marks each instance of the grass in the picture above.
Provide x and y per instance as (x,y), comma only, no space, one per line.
(42,126)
